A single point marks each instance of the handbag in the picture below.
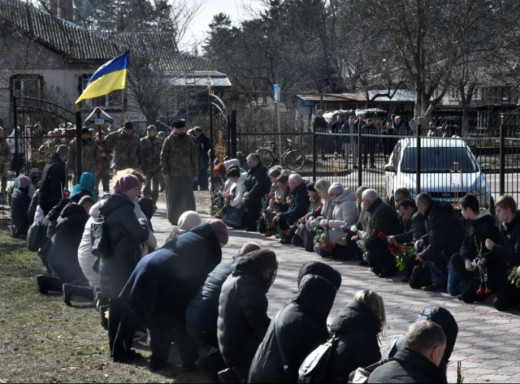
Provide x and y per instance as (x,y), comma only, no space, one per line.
(308,241)
(233,217)
(314,368)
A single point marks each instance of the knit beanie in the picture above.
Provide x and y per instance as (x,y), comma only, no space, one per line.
(126,182)
(220,230)
(336,189)
(24,182)
(310,186)
(189,220)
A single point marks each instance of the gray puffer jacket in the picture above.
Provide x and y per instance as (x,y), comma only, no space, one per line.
(345,213)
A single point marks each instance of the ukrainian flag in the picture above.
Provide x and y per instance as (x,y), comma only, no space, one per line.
(109,77)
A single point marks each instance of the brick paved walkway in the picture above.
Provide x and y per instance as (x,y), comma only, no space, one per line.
(488,340)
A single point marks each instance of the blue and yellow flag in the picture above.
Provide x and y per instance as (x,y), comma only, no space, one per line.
(111,76)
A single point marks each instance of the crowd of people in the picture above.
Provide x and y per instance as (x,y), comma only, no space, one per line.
(103,249)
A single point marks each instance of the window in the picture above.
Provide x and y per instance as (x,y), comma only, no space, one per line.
(454,94)
(112,101)
(505,93)
(477,93)
(26,86)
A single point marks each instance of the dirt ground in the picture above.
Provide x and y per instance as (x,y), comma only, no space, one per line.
(43,340)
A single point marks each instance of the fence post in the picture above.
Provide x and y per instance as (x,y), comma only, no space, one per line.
(16,160)
(233,133)
(79,147)
(360,146)
(502,156)
(418,171)
(314,154)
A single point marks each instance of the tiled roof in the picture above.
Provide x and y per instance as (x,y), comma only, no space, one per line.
(66,38)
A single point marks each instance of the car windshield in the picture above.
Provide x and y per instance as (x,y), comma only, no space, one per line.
(438,160)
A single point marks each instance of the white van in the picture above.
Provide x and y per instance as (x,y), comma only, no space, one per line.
(438,170)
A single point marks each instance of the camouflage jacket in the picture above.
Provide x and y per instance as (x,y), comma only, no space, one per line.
(104,155)
(90,156)
(179,156)
(127,150)
(5,153)
(151,154)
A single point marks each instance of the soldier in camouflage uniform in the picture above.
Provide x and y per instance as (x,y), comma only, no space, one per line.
(180,169)
(90,154)
(50,146)
(104,163)
(151,165)
(126,147)
(5,159)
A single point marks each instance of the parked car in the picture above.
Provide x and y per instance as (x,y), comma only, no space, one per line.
(449,170)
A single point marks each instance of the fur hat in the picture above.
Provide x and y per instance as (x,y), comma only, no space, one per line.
(220,230)
(126,182)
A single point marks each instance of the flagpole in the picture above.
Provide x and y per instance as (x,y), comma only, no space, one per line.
(122,106)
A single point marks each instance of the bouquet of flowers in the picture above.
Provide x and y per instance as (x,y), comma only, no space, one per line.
(265,201)
(217,208)
(403,253)
(227,199)
(513,277)
(286,234)
(321,239)
(483,287)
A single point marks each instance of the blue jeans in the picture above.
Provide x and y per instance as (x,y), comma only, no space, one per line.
(455,284)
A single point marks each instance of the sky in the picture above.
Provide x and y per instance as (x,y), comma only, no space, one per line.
(236,9)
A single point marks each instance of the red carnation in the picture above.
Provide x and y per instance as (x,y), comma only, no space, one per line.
(382,236)
(267,195)
(405,248)
(487,291)
(268,235)
(479,291)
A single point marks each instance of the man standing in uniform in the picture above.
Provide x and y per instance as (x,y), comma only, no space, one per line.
(151,145)
(180,169)
(5,159)
(104,163)
(126,147)
(90,154)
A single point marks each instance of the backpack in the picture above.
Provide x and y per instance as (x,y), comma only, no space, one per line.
(100,238)
(360,375)
(315,366)
(35,236)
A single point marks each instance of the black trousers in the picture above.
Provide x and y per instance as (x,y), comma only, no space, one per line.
(379,257)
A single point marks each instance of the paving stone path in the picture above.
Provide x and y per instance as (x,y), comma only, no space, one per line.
(488,341)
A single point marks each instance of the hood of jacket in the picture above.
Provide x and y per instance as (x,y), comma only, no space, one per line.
(375,204)
(438,207)
(246,266)
(445,319)
(320,269)
(71,209)
(115,201)
(346,195)
(87,180)
(482,218)
(316,294)
(355,316)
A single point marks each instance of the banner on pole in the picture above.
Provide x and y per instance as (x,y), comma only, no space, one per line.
(277,95)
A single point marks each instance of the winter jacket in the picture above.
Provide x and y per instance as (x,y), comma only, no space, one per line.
(438,315)
(407,367)
(298,206)
(237,190)
(84,188)
(202,312)
(301,327)
(345,213)
(257,183)
(412,229)
(508,248)
(126,234)
(52,183)
(357,328)
(165,281)
(151,154)
(203,147)
(242,313)
(63,254)
(481,228)
(90,155)
(445,231)
(20,202)
(383,218)
(179,156)
(127,150)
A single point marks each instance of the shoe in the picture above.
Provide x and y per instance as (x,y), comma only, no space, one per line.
(41,284)
(436,286)
(103,319)
(228,375)
(363,263)
(67,293)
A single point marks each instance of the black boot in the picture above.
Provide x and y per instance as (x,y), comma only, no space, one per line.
(70,290)
(48,283)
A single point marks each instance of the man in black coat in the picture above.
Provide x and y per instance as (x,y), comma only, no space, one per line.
(54,179)
(158,292)
(257,185)
(419,361)
(299,202)
(369,143)
(481,227)
(444,238)
(320,125)
(242,314)
(203,147)
(382,222)
(300,328)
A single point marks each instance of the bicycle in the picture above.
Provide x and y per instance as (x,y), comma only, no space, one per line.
(291,158)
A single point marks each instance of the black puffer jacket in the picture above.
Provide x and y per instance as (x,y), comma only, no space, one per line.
(357,328)
(257,183)
(480,229)
(413,229)
(508,248)
(445,231)
(408,367)
(52,183)
(299,205)
(126,233)
(242,313)
(301,327)
(63,254)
